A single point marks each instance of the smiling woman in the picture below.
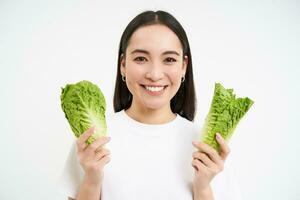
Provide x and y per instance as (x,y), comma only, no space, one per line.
(152,134)
(155,45)
(153,66)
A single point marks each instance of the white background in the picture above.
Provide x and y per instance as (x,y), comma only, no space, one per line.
(251,46)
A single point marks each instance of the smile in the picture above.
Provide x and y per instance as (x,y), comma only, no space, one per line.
(154,89)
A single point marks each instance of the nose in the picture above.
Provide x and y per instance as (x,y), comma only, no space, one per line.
(155,73)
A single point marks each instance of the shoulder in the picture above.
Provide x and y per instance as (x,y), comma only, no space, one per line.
(189,127)
(113,119)
(114,116)
(185,123)
(115,122)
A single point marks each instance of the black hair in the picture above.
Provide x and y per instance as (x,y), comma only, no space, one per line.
(184,102)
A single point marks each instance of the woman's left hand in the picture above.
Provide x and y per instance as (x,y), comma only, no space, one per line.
(207,163)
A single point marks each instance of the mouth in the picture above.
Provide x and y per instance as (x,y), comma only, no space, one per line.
(155,90)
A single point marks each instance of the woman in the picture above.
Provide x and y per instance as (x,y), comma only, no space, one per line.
(153,152)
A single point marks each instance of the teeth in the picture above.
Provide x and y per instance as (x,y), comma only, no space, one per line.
(154,89)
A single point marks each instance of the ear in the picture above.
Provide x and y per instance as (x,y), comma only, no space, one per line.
(184,64)
(122,64)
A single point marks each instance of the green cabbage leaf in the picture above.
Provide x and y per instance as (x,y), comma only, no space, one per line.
(224,114)
(84,106)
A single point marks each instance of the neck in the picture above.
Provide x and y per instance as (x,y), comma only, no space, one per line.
(151,116)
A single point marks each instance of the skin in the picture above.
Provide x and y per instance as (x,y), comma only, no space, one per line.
(92,158)
(153,66)
(207,163)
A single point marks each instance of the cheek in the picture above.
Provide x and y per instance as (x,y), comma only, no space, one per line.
(134,75)
(175,76)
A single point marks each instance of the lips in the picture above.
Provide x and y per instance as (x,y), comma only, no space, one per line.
(154,89)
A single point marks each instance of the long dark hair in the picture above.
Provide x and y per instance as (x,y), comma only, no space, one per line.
(184,102)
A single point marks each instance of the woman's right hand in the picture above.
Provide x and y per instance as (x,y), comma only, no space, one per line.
(92,157)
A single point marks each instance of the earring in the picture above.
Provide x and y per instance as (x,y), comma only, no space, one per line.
(182,79)
(123,78)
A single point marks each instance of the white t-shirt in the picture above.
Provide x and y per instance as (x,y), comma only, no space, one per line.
(148,162)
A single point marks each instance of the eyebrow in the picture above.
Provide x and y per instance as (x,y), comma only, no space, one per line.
(147,52)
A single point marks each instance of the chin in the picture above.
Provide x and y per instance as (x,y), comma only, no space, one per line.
(154,106)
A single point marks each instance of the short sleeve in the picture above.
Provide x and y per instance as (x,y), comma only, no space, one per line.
(72,174)
(225,185)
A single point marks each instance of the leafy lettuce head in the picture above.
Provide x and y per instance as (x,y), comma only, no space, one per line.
(84,106)
(225,113)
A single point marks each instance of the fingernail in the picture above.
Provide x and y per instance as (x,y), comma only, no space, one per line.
(195,143)
(218,136)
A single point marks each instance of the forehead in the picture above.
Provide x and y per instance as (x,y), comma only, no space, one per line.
(154,38)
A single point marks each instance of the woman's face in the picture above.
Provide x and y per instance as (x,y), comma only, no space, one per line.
(153,66)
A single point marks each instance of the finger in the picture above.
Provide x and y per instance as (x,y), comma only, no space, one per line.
(107,139)
(211,152)
(198,165)
(83,138)
(204,159)
(100,154)
(224,148)
(98,144)
(81,141)
(104,160)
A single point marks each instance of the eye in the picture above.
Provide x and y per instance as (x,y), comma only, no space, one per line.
(170,60)
(140,59)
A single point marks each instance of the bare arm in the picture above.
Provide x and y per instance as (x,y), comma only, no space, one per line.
(89,190)
(206,194)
